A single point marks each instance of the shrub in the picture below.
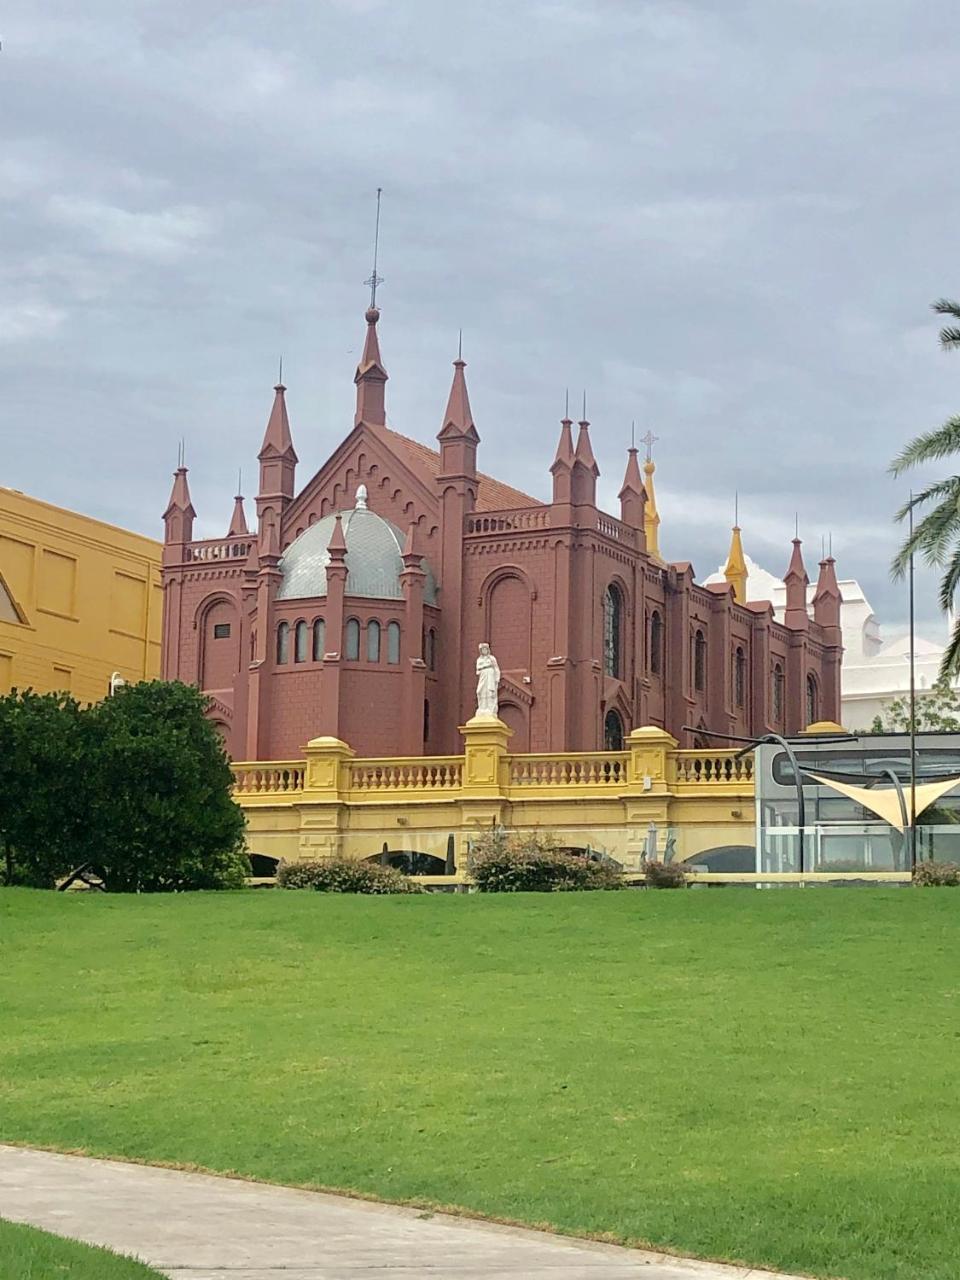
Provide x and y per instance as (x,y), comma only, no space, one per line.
(345,875)
(664,875)
(530,862)
(936,874)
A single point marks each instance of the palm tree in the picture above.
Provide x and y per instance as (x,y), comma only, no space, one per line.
(936,537)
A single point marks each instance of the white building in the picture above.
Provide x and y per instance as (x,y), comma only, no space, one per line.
(876,669)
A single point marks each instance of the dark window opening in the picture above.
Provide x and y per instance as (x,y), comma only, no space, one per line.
(221,631)
(612,627)
(699,662)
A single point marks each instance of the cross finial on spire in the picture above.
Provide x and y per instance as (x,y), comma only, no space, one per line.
(649,440)
(374,279)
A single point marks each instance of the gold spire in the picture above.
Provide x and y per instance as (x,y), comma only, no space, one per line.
(735,571)
(651,517)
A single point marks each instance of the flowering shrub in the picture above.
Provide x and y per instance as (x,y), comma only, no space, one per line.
(936,874)
(344,875)
(530,862)
(664,875)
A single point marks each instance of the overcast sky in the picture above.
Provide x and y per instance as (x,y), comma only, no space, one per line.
(725,219)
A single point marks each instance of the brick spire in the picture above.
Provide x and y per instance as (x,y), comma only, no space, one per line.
(458,418)
(796,581)
(632,495)
(179,515)
(238,522)
(826,598)
(277,458)
(277,439)
(562,466)
(585,469)
(371,377)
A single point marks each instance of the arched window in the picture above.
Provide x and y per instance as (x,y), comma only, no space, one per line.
(612,627)
(373,641)
(813,700)
(300,642)
(283,642)
(612,732)
(351,640)
(655,650)
(430,650)
(777,693)
(739,677)
(319,639)
(699,662)
(426,721)
(393,642)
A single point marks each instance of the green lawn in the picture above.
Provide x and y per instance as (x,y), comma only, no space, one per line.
(26,1254)
(765,1076)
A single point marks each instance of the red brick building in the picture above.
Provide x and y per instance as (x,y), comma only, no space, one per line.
(355,607)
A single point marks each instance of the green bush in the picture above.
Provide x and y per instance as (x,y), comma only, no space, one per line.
(137,786)
(345,875)
(530,862)
(936,874)
(664,875)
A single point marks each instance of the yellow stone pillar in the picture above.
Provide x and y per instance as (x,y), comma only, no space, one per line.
(651,773)
(485,772)
(323,811)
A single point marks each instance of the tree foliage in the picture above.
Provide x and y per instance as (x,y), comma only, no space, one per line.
(938,711)
(936,535)
(137,785)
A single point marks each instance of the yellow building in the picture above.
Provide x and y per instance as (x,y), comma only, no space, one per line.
(79,600)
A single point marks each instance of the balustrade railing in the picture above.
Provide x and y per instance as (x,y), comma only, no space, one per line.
(273,778)
(221,549)
(374,776)
(713,767)
(508,521)
(594,769)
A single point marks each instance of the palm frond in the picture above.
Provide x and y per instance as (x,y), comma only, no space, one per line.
(946,307)
(949,583)
(930,445)
(931,537)
(949,488)
(949,338)
(950,666)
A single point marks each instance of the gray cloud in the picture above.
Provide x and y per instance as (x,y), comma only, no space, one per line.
(726,221)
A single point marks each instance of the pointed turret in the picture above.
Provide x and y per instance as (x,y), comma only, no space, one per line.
(277,458)
(458,436)
(371,377)
(632,495)
(179,515)
(562,466)
(735,570)
(796,582)
(337,546)
(826,598)
(651,516)
(238,521)
(585,469)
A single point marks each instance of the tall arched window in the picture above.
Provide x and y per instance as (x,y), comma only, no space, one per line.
(612,732)
(283,642)
(612,628)
(813,700)
(351,640)
(393,642)
(699,662)
(655,649)
(777,693)
(430,649)
(426,721)
(373,641)
(319,639)
(739,677)
(300,642)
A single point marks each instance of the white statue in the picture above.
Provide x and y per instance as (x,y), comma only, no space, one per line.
(488,682)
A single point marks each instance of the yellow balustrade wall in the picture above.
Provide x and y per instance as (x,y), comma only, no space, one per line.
(79,599)
(332,803)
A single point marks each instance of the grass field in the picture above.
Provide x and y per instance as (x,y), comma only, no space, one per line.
(26,1254)
(763,1076)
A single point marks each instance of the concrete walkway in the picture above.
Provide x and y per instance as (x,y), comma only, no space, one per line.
(196,1227)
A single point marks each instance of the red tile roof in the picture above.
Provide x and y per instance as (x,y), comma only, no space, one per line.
(492,495)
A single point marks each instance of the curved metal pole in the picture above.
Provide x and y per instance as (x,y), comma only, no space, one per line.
(798,777)
(891,773)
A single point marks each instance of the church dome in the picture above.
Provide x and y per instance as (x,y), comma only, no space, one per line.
(374,558)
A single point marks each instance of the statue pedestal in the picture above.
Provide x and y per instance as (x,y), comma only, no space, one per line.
(486,739)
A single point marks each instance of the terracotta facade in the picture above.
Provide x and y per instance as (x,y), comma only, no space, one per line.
(594,632)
